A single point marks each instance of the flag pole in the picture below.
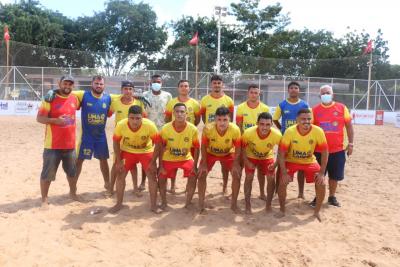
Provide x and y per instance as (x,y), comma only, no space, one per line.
(369,79)
(196,94)
(7,39)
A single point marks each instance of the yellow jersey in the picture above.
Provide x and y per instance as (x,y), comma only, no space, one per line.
(248,116)
(120,109)
(257,147)
(300,148)
(221,145)
(139,141)
(210,104)
(178,144)
(192,107)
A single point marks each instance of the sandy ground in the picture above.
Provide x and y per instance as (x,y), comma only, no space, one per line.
(365,231)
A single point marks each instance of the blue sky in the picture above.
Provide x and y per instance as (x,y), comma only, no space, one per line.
(335,16)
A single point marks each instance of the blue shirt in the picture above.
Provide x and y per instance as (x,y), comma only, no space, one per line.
(288,112)
(94,116)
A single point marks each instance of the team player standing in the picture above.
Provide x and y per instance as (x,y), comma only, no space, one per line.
(248,144)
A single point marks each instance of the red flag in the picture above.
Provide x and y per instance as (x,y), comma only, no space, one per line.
(6,34)
(195,39)
(368,48)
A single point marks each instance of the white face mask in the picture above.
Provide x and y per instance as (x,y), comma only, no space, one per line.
(156,87)
(326,99)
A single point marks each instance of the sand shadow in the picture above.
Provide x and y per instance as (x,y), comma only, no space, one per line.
(221,217)
(56,200)
(141,211)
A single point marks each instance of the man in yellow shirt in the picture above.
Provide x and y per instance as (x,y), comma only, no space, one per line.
(296,153)
(133,143)
(248,111)
(220,142)
(192,106)
(209,104)
(179,149)
(120,105)
(246,117)
(286,112)
(258,143)
(215,99)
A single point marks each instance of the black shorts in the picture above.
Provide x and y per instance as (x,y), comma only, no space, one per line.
(335,166)
(51,160)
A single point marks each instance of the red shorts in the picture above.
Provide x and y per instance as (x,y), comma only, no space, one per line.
(262,164)
(226,161)
(171,167)
(131,159)
(310,170)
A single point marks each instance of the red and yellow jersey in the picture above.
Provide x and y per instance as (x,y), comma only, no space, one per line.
(60,136)
(221,145)
(178,144)
(210,104)
(300,148)
(120,109)
(192,106)
(139,141)
(332,120)
(257,147)
(248,116)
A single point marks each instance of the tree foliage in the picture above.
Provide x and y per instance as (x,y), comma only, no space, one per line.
(125,35)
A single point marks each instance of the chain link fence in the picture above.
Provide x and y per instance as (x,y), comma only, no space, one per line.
(31,83)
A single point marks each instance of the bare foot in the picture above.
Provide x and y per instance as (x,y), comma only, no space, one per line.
(248,211)
(203,211)
(171,191)
(44,206)
(316,215)
(108,193)
(235,209)
(116,208)
(279,215)
(155,210)
(142,187)
(226,195)
(301,195)
(163,206)
(262,197)
(137,193)
(209,206)
(224,191)
(75,197)
(187,205)
(106,186)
